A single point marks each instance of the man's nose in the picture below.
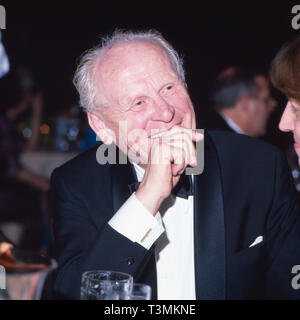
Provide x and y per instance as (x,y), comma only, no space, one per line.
(162,110)
(287,119)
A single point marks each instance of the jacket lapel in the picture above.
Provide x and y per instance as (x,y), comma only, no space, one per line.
(209,233)
(122,178)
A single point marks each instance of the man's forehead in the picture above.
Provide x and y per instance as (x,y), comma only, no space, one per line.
(142,74)
(130,59)
(129,68)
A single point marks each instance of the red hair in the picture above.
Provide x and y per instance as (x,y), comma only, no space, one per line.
(285,69)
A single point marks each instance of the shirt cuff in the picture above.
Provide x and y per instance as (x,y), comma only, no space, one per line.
(136,223)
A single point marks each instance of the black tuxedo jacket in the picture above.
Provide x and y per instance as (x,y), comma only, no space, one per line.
(244,192)
(217,122)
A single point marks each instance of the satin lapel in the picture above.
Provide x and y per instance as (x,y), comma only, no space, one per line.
(122,175)
(209,230)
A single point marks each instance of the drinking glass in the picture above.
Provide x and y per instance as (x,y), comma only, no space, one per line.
(140,291)
(105,285)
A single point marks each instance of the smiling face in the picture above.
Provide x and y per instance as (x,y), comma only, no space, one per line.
(290,122)
(142,92)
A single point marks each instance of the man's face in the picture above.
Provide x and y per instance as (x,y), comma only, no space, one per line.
(290,122)
(143,93)
(261,108)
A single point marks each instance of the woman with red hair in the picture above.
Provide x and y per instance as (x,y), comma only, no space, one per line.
(285,76)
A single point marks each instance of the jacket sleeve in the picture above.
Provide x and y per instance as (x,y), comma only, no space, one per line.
(283,235)
(80,245)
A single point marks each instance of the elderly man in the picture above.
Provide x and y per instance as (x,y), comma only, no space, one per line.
(232,232)
(242,102)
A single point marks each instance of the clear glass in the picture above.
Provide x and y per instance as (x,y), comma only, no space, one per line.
(140,291)
(105,285)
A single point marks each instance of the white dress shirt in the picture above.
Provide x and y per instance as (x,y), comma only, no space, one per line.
(173,233)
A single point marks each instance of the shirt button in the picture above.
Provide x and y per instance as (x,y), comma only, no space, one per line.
(130,261)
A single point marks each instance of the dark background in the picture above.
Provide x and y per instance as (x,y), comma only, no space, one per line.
(48,37)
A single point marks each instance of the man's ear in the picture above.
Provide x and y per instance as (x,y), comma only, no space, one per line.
(97,123)
(245,105)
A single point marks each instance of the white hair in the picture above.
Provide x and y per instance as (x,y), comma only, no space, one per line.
(83,78)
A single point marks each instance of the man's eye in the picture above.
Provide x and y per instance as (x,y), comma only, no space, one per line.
(136,105)
(169,89)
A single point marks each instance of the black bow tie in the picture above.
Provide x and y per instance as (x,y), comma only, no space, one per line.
(183,189)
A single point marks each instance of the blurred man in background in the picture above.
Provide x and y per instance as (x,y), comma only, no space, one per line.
(242,102)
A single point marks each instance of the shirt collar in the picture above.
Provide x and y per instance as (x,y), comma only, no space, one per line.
(232,124)
(138,170)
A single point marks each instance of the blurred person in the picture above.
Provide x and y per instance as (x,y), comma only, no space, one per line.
(20,189)
(242,102)
(13,143)
(13,257)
